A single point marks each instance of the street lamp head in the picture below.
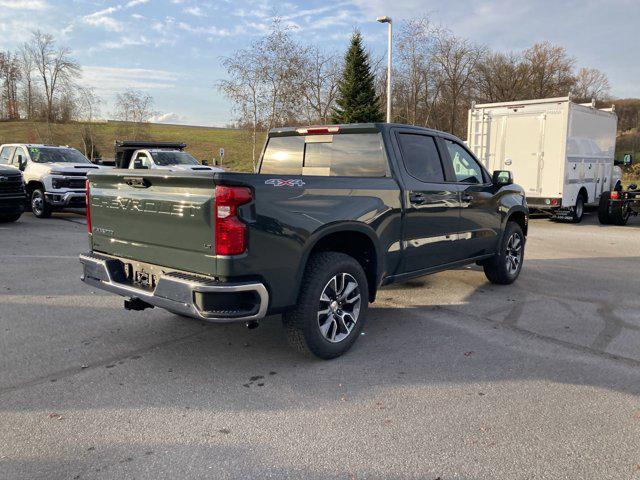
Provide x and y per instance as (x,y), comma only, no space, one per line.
(384,19)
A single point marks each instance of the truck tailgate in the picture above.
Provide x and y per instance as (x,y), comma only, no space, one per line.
(156,217)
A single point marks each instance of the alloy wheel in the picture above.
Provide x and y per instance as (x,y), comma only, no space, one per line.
(513,254)
(37,203)
(339,307)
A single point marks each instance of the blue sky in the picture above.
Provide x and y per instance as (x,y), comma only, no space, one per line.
(172,48)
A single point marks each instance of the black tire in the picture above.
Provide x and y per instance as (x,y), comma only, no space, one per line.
(304,323)
(10,218)
(39,205)
(620,213)
(578,210)
(603,208)
(500,269)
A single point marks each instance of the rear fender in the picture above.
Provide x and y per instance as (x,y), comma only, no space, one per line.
(340,227)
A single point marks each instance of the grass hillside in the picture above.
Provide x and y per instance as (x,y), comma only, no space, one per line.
(202,142)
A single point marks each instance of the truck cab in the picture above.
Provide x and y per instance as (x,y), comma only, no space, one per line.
(55,176)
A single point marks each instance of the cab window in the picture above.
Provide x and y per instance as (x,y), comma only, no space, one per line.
(466,168)
(143,159)
(19,152)
(5,155)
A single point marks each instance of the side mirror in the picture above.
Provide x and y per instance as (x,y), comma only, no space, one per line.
(501,178)
(21,162)
(205,163)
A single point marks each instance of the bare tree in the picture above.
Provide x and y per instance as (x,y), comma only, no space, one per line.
(264,81)
(551,70)
(319,85)
(502,77)
(456,59)
(135,109)
(28,94)
(88,108)
(591,84)
(9,77)
(54,65)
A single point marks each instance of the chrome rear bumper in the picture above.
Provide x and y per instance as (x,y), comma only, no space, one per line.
(174,291)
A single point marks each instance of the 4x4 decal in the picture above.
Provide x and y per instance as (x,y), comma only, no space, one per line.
(279,182)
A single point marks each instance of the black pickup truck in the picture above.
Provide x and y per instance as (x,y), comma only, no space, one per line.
(12,194)
(333,214)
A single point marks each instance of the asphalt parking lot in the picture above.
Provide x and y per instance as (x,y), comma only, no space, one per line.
(452,378)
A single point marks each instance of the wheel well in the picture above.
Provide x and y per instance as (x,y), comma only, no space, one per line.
(32,185)
(357,245)
(583,193)
(520,219)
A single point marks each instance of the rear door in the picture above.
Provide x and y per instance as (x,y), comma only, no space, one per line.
(523,150)
(432,205)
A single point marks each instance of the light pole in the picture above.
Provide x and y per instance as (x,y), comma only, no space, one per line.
(388,20)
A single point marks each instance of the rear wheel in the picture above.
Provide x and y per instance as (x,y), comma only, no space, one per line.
(39,205)
(10,218)
(331,308)
(578,210)
(603,208)
(504,268)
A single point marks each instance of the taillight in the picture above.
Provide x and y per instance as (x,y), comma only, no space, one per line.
(615,195)
(231,233)
(86,203)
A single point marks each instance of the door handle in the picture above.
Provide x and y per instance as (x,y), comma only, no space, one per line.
(417,198)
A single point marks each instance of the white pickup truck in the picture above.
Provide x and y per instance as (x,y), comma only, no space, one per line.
(55,177)
(136,155)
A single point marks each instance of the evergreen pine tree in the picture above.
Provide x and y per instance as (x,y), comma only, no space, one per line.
(357,101)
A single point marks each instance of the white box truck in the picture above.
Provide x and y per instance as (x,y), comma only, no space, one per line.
(562,153)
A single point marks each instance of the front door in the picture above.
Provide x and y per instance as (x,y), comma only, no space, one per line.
(480,219)
(432,213)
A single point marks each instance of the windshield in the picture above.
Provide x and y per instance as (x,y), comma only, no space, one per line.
(165,159)
(55,155)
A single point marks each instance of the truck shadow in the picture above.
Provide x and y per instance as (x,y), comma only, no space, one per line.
(417,335)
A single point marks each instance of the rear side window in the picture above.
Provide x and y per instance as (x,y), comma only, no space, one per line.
(283,156)
(421,158)
(349,155)
(5,155)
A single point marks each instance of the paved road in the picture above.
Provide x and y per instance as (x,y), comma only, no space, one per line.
(453,377)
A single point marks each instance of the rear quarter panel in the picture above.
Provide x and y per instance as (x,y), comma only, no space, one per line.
(286,221)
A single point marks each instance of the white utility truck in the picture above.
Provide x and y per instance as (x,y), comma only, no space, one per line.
(562,153)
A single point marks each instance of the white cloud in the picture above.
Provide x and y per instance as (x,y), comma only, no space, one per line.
(195,11)
(102,18)
(24,4)
(133,3)
(110,80)
(169,117)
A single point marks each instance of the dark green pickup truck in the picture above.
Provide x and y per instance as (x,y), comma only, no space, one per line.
(334,214)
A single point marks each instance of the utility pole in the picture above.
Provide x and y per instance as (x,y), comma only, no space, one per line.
(388,21)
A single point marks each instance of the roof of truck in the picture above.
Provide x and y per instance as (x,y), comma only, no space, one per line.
(34,145)
(351,128)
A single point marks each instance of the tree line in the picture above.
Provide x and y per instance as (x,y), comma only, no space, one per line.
(278,81)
